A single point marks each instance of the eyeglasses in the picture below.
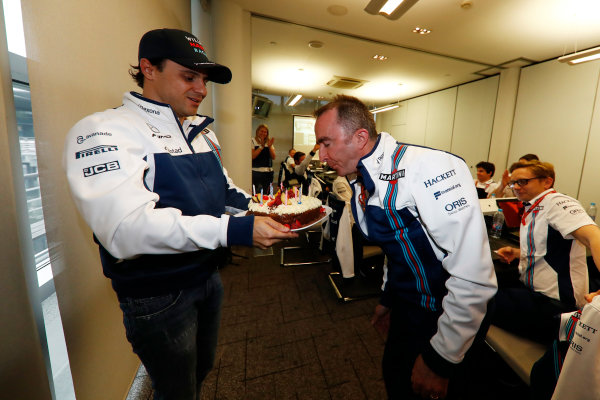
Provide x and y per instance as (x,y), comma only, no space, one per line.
(521,182)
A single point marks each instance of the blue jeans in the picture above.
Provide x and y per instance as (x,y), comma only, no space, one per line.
(175,337)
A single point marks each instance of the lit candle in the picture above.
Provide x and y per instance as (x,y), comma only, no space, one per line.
(253,191)
(300,195)
(261,194)
(271,189)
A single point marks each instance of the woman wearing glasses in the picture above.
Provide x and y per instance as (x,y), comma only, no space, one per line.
(554,232)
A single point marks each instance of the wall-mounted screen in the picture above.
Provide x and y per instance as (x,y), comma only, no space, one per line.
(261,106)
(304,133)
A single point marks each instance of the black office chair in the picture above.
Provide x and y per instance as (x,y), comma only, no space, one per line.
(368,259)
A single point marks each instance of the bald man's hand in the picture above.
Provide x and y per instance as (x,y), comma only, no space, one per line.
(267,232)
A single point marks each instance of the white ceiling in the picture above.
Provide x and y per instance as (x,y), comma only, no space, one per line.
(464,45)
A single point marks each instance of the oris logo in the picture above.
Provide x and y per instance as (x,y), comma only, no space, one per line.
(576,347)
(456,205)
(577,211)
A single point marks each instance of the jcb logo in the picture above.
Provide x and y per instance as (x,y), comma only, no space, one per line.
(100,168)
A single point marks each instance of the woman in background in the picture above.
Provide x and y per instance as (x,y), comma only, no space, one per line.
(263,154)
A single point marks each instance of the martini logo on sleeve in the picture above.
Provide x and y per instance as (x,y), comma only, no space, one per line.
(393,177)
(101,168)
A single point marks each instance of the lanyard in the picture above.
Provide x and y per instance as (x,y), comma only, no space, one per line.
(538,201)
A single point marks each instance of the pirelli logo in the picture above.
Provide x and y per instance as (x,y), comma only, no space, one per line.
(101,168)
(96,150)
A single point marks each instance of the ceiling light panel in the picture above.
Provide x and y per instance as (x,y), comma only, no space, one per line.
(391,9)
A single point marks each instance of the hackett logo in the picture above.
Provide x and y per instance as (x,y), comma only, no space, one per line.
(439,178)
(393,176)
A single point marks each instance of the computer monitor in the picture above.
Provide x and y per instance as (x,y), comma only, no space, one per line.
(512,208)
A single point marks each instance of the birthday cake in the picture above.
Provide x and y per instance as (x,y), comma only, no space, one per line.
(288,207)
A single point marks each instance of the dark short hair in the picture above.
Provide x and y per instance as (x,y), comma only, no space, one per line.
(136,71)
(529,157)
(297,156)
(489,167)
(352,114)
(538,168)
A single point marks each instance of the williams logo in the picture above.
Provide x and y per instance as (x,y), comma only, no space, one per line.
(100,168)
(95,150)
(394,176)
(81,139)
(152,128)
(439,178)
(441,192)
(456,206)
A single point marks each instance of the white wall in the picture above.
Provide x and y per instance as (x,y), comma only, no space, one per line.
(550,109)
(458,119)
(553,117)
(473,121)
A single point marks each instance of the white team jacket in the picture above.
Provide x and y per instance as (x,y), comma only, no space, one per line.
(148,186)
(422,208)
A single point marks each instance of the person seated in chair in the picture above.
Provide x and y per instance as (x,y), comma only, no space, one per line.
(554,233)
(299,176)
(484,183)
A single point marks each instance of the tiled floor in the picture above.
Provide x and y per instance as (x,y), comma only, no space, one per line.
(284,335)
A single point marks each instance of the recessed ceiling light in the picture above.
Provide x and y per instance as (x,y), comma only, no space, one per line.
(379,57)
(315,44)
(421,31)
(337,10)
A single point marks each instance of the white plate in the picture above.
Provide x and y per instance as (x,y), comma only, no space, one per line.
(327,212)
(319,221)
